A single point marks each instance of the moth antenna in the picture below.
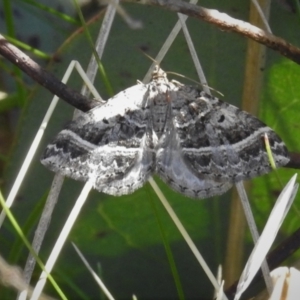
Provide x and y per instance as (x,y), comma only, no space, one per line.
(195,81)
(150,57)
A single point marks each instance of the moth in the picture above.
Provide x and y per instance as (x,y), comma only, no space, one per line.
(199,145)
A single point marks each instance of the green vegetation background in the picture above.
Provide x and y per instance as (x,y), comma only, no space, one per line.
(120,236)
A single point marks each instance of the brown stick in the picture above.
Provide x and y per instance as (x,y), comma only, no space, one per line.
(46,79)
(227,23)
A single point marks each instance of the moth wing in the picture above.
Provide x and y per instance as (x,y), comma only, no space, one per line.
(110,145)
(176,172)
(223,143)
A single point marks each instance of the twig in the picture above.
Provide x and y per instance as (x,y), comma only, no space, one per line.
(43,77)
(227,23)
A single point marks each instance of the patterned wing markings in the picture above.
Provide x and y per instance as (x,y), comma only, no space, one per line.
(221,142)
(177,173)
(196,143)
(111,145)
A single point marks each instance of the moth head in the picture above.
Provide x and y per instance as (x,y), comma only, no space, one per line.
(158,74)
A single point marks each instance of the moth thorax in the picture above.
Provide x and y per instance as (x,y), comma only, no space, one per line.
(159,75)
